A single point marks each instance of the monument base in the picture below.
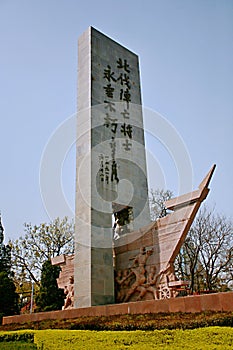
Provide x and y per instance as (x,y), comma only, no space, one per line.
(193,304)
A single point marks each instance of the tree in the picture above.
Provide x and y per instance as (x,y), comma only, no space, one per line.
(39,244)
(156,201)
(206,257)
(8,296)
(5,253)
(50,297)
(5,259)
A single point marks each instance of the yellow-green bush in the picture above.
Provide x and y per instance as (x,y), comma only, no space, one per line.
(26,336)
(20,340)
(17,346)
(212,338)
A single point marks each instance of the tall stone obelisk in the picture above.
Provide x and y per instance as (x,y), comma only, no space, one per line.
(111,187)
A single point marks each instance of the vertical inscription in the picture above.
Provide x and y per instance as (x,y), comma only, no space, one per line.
(116,89)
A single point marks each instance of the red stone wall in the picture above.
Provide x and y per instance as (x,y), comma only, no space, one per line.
(195,303)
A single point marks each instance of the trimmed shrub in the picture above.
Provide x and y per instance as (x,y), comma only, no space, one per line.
(211,338)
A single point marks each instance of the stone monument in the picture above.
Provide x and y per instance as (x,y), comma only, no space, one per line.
(111,187)
(120,255)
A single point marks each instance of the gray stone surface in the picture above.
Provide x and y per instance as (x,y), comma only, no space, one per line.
(111,164)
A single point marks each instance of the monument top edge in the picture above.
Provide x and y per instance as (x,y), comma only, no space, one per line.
(92,31)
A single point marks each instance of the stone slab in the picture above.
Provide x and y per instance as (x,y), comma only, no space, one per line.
(226,301)
(211,302)
(110,163)
(193,304)
(58,260)
(176,305)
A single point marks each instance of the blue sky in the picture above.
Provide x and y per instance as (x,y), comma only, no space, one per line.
(186,60)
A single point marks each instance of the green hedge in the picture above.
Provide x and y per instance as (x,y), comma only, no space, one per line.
(20,340)
(149,322)
(18,346)
(18,336)
(146,322)
(210,338)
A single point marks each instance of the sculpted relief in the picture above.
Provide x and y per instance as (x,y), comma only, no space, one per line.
(69,293)
(142,280)
(143,258)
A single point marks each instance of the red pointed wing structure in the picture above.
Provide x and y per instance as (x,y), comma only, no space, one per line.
(166,235)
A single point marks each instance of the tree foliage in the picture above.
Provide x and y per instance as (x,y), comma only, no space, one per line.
(50,297)
(39,244)
(156,201)
(206,257)
(8,296)
(5,259)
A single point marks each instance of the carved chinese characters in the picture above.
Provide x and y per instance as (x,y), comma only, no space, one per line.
(116,89)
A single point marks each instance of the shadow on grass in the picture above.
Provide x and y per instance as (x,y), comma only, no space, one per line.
(17,345)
